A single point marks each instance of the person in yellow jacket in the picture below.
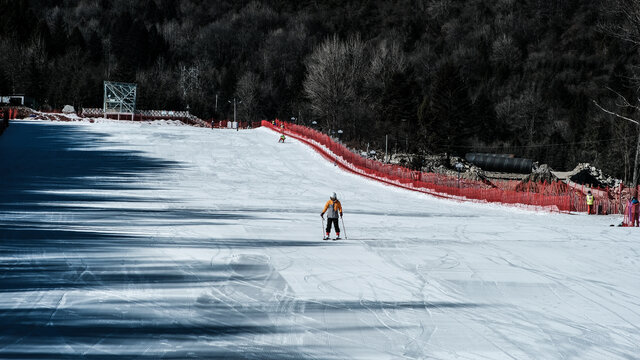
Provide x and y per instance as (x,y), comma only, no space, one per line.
(333,208)
(589,202)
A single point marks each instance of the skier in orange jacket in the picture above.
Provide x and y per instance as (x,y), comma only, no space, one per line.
(333,208)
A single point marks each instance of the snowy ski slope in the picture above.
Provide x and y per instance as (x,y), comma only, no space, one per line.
(136,240)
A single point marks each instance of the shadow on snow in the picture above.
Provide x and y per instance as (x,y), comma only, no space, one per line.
(55,175)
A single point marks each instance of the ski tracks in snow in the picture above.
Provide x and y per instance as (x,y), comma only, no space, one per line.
(205,244)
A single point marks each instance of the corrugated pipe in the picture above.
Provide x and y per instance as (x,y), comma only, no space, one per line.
(500,162)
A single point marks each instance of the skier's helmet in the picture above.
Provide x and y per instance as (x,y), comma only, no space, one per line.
(333,196)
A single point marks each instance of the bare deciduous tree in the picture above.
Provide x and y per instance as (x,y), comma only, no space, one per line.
(625,25)
(387,59)
(624,103)
(504,51)
(335,71)
(248,92)
(189,80)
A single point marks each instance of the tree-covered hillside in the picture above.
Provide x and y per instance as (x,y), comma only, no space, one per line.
(436,75)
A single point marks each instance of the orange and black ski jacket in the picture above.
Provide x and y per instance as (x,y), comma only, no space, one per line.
(333,209)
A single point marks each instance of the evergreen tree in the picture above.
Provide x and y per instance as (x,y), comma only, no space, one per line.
(59,37)
(446,115)
(76,39)
(94,45)
(399,108)
(35,80)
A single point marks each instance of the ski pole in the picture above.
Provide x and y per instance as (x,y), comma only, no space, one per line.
(344,229)
(323,227)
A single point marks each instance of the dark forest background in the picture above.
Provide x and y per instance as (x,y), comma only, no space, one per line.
(516,76)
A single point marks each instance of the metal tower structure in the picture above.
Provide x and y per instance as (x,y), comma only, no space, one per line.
(119,98)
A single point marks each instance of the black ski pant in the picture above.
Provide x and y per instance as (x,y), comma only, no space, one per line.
(333,221)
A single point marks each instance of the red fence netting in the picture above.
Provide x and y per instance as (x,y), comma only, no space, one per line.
(555,196)
(5,116)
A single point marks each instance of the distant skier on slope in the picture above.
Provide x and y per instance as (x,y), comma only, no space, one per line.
(333,208)
(282,137)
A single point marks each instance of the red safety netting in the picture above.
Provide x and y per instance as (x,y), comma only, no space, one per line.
(555,196)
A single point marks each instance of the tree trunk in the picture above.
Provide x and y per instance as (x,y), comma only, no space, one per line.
(635,163)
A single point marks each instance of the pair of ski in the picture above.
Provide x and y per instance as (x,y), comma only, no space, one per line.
(326,237)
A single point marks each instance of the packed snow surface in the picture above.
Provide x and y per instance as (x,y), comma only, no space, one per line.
(131,240)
